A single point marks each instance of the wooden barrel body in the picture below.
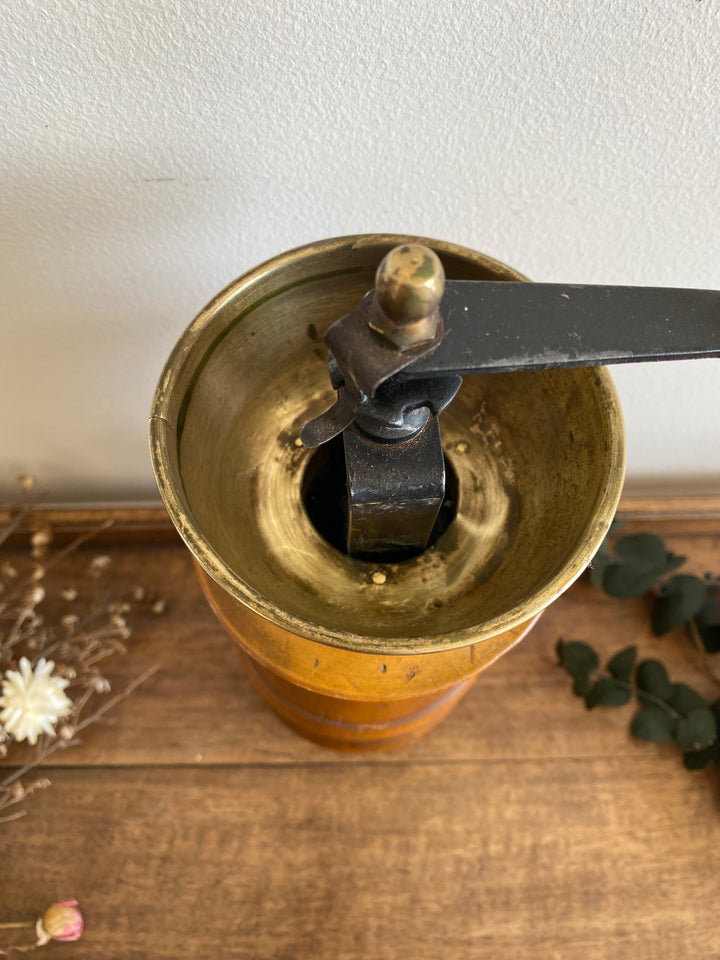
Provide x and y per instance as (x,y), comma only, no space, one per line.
(345,699)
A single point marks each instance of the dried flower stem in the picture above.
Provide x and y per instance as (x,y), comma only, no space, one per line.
(60,555)
(78,542)
(17,521)
(15,635)
(14,816)
(81,701)
(57,744)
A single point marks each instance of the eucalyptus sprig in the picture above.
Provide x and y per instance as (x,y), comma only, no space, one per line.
(641,563)
(666,709)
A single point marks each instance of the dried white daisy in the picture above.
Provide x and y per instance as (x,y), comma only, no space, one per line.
(33,701)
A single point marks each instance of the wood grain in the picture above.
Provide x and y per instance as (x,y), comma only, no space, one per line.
(544,858)
(191,823)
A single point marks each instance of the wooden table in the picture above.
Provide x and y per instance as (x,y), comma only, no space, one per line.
(192,824)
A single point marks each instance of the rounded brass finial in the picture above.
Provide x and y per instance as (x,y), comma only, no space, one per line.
(410,282)
(409,285)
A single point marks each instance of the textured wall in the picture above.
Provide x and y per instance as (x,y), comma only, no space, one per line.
(152,150)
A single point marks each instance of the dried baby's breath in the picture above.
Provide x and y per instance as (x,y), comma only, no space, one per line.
(98,565)
(50,661)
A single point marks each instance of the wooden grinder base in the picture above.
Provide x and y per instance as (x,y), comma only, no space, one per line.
(347,700)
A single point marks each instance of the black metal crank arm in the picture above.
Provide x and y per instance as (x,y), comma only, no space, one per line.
(492,326)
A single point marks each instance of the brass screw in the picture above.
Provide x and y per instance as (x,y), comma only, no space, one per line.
(409,285)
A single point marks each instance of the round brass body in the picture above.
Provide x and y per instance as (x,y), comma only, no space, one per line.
(539,459)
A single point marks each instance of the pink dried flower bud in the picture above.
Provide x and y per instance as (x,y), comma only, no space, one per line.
(62,921)
(26,481)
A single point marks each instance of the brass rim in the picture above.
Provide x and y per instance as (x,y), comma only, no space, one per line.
(171,401)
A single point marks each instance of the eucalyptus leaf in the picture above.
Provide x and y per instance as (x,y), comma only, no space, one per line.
(710,611)
(715,707)
(578,659)
(629,579)
(581,686)
(652,677)
(697,759)
(673,561)
(641,559)
(682,597)
(643,548)
(707,620)
(600,562)
(609,693)
(621,665)
(697,730)
(684,699)
(603,558)
(652,723)
(709,637)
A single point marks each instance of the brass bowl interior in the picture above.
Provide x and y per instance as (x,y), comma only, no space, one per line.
(539,459)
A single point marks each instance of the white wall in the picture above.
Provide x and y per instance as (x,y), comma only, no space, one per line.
(152,150)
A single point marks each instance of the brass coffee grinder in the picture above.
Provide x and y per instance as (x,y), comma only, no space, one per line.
(388,455)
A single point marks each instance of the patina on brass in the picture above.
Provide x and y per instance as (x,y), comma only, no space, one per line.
(539,459)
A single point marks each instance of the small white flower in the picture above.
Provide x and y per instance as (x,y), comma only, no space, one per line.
(33,701)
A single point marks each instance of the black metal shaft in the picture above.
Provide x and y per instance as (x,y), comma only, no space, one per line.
(395,491)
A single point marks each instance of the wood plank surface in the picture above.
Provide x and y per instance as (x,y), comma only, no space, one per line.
(191,823)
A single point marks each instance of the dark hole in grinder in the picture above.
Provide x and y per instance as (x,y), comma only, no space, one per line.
(324,494)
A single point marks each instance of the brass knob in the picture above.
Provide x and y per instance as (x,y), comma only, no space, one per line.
(409,286)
